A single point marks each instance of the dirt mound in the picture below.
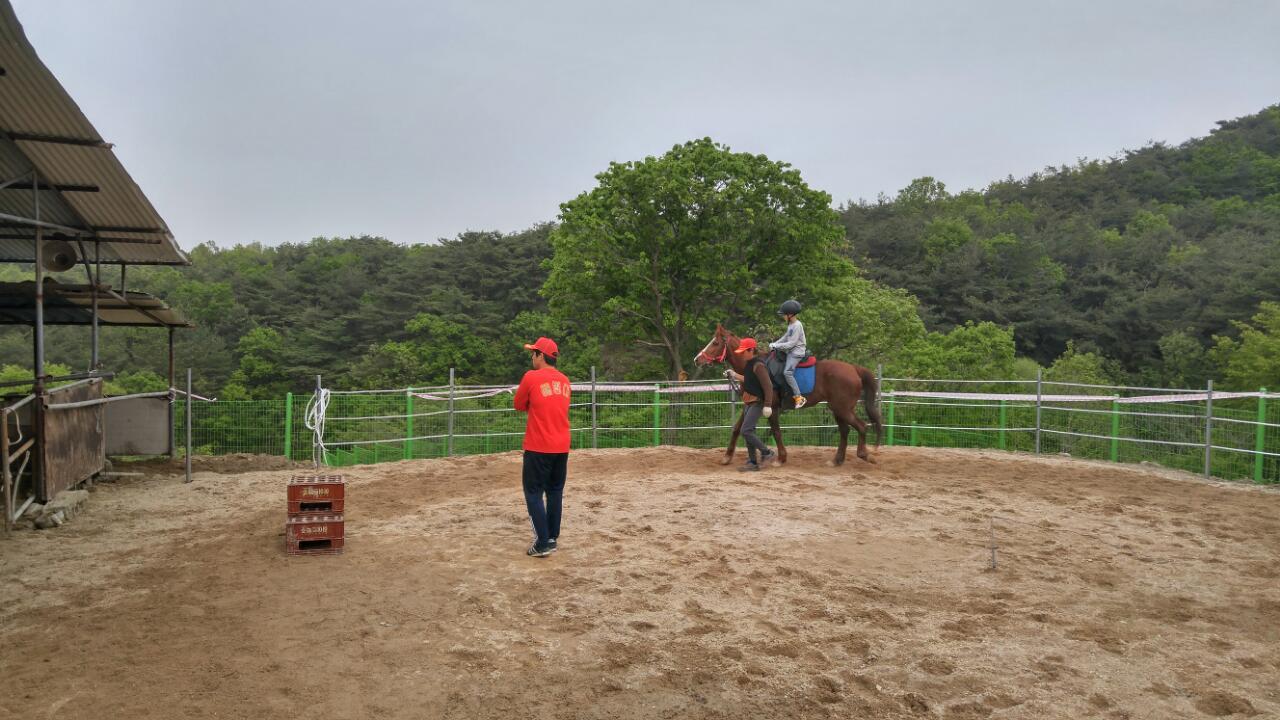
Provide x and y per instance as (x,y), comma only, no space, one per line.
(223,464)
(681,589)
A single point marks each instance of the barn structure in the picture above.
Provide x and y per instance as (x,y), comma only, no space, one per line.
(67,205)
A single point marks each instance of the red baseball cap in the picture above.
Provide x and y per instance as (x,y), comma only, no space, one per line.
(747,345)
(544,345)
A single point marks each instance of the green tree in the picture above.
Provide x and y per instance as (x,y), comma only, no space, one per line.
(973,351)
(263,370)
(1074,366)
(1184,361)
(858,320)
(665,247)
(1252,361)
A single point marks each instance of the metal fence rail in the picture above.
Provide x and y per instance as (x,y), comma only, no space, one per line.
(1226,435)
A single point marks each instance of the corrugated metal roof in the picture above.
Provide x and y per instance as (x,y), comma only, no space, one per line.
(73,305)
(43,130)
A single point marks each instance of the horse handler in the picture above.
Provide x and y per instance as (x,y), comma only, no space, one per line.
(757,396)
(544,395)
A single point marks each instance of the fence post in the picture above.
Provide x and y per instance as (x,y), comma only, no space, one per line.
(595,428)
(915,438)
(657,415)
(188,424)
(288,426)
(408,424)
(889,421)
(316,456)
(1004,423)
(449,444)
(1260,442)
(1115,431)
(1208,428)
(879,387)
(1039,395)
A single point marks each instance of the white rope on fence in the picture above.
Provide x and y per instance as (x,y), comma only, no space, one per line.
(313,419)
(456,397)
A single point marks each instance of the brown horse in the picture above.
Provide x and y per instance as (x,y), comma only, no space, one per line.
(838,384)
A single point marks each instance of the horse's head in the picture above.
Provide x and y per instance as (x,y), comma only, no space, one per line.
(717,349)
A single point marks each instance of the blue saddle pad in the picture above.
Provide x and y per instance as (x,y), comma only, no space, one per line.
(805,379)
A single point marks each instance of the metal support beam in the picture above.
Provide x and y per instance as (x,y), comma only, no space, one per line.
(93,289)
(17,179)
(58,140)
(188,423)
(12,185)
(38,223)
(172,445)
(129,229)
(97,261)
(142,310)
(97,241)
(37,386)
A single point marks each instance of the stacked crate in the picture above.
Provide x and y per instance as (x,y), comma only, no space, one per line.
(315,525)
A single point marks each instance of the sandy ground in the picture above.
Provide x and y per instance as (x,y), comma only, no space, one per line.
(682,590)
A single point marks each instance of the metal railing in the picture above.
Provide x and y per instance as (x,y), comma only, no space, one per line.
(1225,435)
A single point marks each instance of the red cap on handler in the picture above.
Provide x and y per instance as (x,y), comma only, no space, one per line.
(747,345)
(544,345)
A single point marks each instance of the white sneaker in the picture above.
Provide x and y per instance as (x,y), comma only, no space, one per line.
(800,401)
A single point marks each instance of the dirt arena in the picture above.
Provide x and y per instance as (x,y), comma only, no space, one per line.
(681,590)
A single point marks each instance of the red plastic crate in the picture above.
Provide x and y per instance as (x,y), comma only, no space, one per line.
(314,534)
(332,546)
(313,494)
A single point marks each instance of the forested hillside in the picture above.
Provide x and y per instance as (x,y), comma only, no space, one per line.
(1143,258)
(1161,265)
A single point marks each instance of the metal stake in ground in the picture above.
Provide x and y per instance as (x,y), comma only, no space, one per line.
(991,524)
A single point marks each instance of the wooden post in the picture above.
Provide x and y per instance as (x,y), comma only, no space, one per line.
(4,469)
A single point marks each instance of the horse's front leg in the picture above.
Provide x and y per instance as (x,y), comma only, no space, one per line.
(777,436)
(733,441)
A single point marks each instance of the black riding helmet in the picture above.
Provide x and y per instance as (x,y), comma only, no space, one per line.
(790,307)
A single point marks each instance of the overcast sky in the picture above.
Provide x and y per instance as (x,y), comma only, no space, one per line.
(272,121)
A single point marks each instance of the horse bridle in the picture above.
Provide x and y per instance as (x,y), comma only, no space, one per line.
(724,352)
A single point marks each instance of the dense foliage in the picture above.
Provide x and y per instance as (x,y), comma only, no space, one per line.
(1144,259)
(1158,266)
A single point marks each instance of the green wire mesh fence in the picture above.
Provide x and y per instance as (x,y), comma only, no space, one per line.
(1226,435)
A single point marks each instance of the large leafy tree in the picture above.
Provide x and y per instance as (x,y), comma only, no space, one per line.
(664,247)
(1253,361)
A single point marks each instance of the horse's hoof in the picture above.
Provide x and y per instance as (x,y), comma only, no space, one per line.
(775,463)
(866,458)
(726,460)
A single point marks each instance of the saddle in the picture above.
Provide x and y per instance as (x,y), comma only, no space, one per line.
(775,363)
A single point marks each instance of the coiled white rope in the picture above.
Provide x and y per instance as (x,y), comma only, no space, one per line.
(317,406)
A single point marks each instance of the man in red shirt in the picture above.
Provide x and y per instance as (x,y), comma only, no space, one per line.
(544,394)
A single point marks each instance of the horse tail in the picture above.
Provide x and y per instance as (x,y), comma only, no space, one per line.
(870,393)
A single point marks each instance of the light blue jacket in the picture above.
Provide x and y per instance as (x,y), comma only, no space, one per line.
(792,341)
